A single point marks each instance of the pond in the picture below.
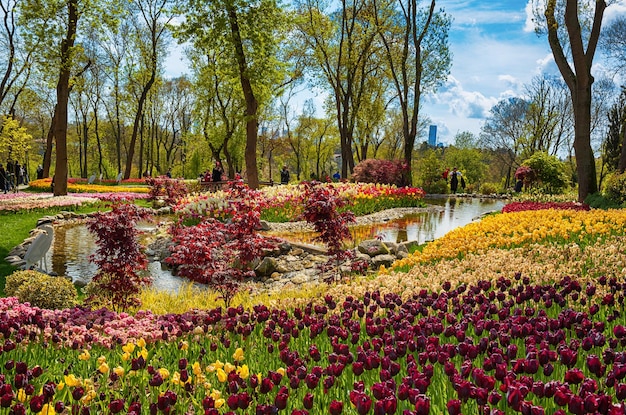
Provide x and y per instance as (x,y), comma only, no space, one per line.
(450,214)
(73,244)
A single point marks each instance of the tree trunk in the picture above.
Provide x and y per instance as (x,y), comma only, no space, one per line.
(47,155)
(579,81)
(63,94)
(252,172)
(621,166)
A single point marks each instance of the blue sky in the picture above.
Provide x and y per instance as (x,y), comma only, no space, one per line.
(495,52)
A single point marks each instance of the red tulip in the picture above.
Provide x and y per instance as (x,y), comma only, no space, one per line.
(574,376)
(308,401)
(422,405)
(116,406)
(454,407)
(335,407)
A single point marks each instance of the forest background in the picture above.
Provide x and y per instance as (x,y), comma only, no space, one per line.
(84,91)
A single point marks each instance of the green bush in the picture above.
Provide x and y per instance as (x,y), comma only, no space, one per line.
(41,290)
(550,173)
(17,279)
(489,188)
(599,201)
(615,188)
(436,187)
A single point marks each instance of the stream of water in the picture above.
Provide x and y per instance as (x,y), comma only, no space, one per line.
(73,244)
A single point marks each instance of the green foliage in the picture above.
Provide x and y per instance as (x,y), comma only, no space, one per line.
(489,188)
(550,173)
(599,201)
(469,161)
(436,187)
(615,188)
(17,279)
(14,140)
(429,173)
(41,290)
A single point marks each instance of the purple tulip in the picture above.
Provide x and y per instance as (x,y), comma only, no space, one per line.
(335,407)
(454,407)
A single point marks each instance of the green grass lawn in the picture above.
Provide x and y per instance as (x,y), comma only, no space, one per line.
(15,227)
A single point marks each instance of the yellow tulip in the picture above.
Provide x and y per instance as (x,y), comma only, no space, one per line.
(48,409)
(128,347)
(164,373)
(196,368)
(103,368)
(243,371)
(72,381)
(228,367)
(119,371)
(141,343)
(238,355)
(21,395)
(221,375)
(84,355)
(219,403)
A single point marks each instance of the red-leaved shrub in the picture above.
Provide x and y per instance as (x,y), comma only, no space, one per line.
(218,253)
(171,190)
(118,256)
(322,202)
(380,171)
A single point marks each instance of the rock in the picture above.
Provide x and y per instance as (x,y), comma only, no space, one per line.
(408,245)
(383,259)
(299,279)
(400,249)
(15,260)
(393,247)
(264,226)
(373,247)
(402,254)
(267,266)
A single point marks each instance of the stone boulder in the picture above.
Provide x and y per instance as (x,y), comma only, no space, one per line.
(383,259)
(373,247)
(266,267)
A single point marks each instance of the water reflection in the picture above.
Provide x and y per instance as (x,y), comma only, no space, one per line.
(73,244)
(422,227)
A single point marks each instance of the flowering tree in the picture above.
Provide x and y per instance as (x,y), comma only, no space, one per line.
(119,257)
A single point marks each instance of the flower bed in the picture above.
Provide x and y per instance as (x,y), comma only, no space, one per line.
(520,228)
(284,203)
(531,205)
(14,202)
(521,312)
(76,186)
(493,347)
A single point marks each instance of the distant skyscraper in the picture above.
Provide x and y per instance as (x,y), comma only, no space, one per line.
(432,136)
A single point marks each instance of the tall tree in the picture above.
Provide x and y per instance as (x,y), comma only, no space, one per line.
(565,33)
(416,46)
(250,33)
(340,45)
(58,24)
(613,44)
(152,22)
(16,60)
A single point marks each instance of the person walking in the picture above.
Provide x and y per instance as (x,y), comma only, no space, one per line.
(218,170)
(284,175)
(455,176)
(3,179)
